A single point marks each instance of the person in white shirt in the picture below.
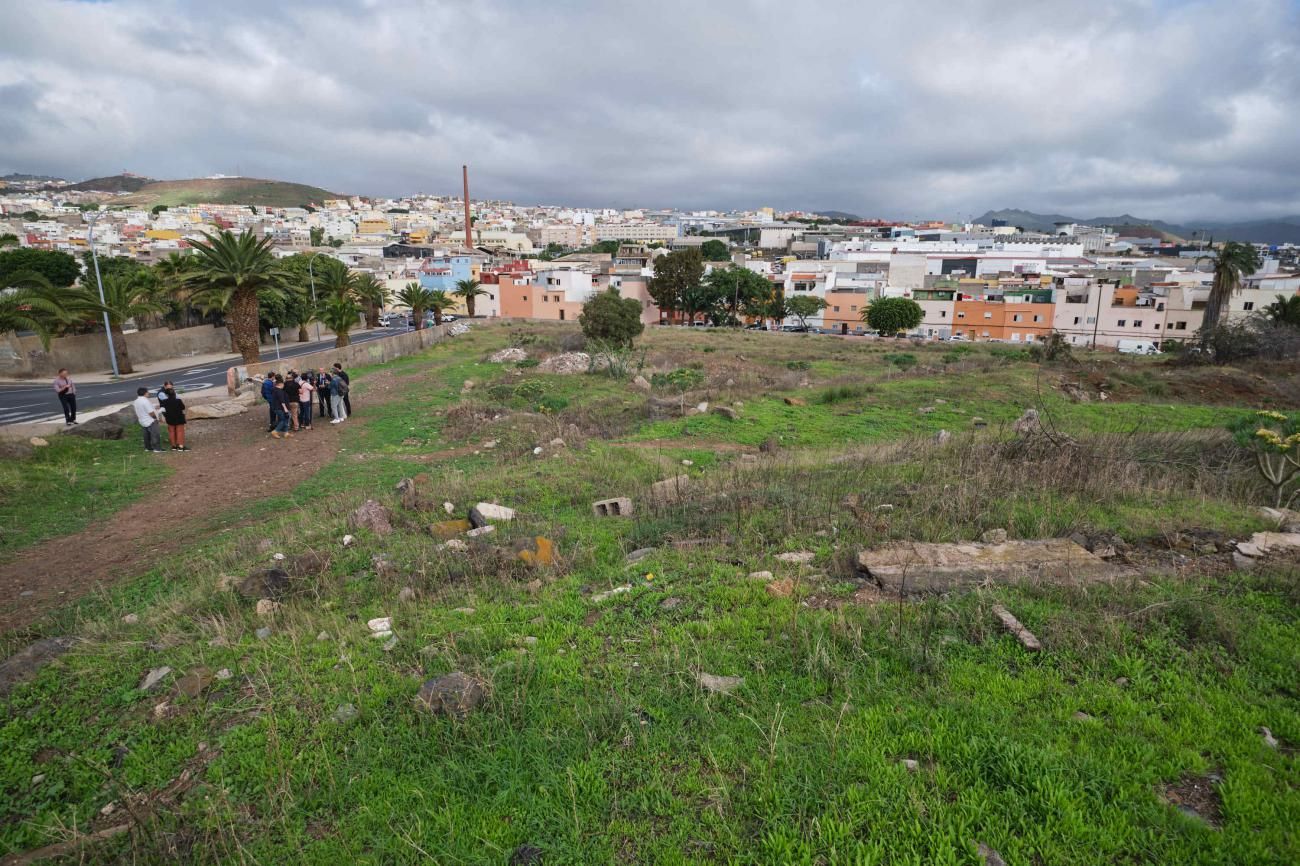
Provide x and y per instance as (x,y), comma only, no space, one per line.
(147,415)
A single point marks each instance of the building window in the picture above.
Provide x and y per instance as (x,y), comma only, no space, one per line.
(943,314)
(1092,320)
(1038,318)
(988,316)
(525,297)
(1076,320)
(1121,323)
(1160,306)
(1248,306)
(1137,323)
(1180,326)
(837,309)
(1157,326)
(961,315)
(853,308)
(986,333)
(1015,317)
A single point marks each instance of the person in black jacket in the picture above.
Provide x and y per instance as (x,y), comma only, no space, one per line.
(322,384)
(347,392)
(173,408)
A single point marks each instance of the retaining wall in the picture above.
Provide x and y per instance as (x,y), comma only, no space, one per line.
(88,353)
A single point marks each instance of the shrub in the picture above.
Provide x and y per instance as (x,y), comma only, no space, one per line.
(1242,339)
(551,405)
(1274,440)
(611,319)
(798,365)
(527,362)
(678,381)
(1054,348)
(901,360)
(839,393)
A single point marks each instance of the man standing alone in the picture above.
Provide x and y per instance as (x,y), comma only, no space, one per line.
(147,415)
(67,396)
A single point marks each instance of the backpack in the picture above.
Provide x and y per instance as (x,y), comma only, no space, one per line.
(340,386)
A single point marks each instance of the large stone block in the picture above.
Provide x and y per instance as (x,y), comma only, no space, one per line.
(916,568)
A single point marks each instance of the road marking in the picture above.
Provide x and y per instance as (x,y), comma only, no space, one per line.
(199,370)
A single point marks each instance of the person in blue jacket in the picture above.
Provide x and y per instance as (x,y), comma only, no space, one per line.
(268,394)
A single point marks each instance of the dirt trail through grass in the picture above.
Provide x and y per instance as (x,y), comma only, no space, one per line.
(233,463)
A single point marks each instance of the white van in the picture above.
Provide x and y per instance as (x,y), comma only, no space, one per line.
(1138,347)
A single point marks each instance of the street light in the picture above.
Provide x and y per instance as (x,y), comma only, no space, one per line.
(108,330)
(311,260)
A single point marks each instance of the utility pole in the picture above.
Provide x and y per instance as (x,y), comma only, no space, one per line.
(108,330)
(469,233)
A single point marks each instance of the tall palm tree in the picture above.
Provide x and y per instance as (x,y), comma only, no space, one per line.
(228,272)
(416,297)
(30,302)
(374,296)
(439,300)
(1285,311)
(340,314)
(468,290)
(127,295)
(1233,261)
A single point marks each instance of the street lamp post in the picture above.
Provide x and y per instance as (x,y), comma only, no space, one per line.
(108,330)
(311,260)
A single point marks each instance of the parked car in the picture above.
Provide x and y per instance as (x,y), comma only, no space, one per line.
(794,329)
(1137,347)
(756,327)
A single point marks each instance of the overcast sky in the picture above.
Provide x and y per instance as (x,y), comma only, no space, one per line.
(1172,110)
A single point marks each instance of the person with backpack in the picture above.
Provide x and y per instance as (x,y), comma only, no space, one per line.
(173,409)
(323,391)
(347,386)
(339,396)
(305,389)
(292,388)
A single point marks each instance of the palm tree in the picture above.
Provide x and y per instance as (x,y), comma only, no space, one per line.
(1285,311)
(439,300)
(468,290)
(228,272)
(417,297)
(30,302)
(1232,262)
(340,314)
(374,296)
(127,295)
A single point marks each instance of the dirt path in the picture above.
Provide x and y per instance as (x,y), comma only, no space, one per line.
(220,473)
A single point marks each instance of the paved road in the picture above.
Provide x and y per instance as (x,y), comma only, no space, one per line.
(38,402)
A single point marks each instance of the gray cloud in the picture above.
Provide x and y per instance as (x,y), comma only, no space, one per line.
(1166,109)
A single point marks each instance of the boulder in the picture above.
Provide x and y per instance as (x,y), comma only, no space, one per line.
(105,426)
(450,528)
(406,491)
(537,550)
(641,553)
(153,678)
(209,411)
(373,516)
(798,557)
(933,567)
(1285,519)
(726,412)
(492,511)
(718,684)
(640,382)
(38,442)
(794,401)
(195,683)
(670,489)
(455,694)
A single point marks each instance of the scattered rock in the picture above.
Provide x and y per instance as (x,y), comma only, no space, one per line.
(726,412)
(1286,519)
(406,595)
(994,536)
(195,682)
(798,557)
(211,411)
(506,356)
(105,426)
(1081,716)
(449,507)
(783,588)
(324,635)
(942,437)
(991,857)
(450,528)
(38,778)
(38,442)
(610,593)
(492,511)
(641,383)
(131,619)
(224,674)
(717,684)
(1121,681)
(795,401)
(265,583)
(702,407)
(672,602)
(760,575)
(1264,543)
(620,506)
(267,606)
(454,694)
(153,678)
(454,544)
(911,765)
(925,410)
(977,421)
(1011,624)
(380,624)
(641,553)
(536,551)
(263,633)
(1269,739)
(464,611)
(686,462)
(390,644)
(373,516)
(670,489)
(486,529)
(108,809)
(345,714)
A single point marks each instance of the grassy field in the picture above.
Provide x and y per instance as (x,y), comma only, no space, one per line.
(227,190)
(596,742)
(65,486)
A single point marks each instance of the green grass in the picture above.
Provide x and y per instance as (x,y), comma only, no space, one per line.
(596,744)
(66,486)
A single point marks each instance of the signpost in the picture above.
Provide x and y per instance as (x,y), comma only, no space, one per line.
(275,332)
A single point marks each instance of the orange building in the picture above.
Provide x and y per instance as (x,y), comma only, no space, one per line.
(1000,320)
(843,311)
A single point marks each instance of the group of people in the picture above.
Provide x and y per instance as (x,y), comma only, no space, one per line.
(166,407)
(289,401)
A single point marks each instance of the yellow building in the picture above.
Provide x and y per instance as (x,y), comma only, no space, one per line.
(163,235)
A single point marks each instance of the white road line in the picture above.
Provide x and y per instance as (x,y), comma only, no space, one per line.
(199,370)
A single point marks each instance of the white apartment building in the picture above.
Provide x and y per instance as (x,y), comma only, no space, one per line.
(637,232)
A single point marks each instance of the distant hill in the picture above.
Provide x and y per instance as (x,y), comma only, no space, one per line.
(113,183)
(16,177)
(838,215)
(1281,230)
(226,190)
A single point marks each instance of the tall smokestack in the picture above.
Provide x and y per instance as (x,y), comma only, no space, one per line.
(469,235)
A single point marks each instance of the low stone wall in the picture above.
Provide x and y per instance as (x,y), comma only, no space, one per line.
(371,352)
(88,353)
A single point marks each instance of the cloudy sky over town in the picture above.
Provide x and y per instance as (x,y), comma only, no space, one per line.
(1167,110)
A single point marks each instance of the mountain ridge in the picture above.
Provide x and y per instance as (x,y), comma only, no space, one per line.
(1278,230)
